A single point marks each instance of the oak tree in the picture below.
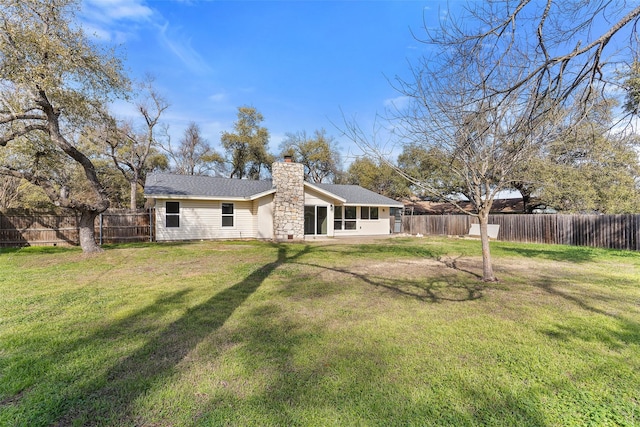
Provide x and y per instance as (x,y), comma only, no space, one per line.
(53,83)
(318,154)
(376,176)
(247,146)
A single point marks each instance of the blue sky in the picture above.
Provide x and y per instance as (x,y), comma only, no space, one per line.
(300,63)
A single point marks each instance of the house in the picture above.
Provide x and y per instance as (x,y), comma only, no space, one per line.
(284,208)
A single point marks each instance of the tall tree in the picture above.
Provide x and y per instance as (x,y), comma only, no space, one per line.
(134,151)
(593,151)
(590,171)
(429,165)
(318,154)
(376,176)
(194,155)
(478,141)
(247,147)
(53,83)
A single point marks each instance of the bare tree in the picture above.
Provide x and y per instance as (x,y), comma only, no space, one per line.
(502,78)
(564,51)
(481,144)
(194,155)
(134,152)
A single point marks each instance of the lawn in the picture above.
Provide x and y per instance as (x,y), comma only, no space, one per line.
(396,332)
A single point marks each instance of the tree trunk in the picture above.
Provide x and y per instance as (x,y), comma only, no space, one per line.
(87,232)
(487,267)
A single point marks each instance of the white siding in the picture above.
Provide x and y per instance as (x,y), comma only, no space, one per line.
(264,217)
(314,198)
(369,227)
(200,219)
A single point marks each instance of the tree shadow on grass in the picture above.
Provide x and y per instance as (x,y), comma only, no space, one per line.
(109,398)
(384,249)
(591,328)
(434,288)
(315,380)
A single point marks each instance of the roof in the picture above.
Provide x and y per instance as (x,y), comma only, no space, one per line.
(356,195)
(206,187)
(165,185)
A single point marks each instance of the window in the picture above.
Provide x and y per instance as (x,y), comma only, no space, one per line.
(337,218)
(344,218)
(349,217)
(172,214)
(367,212)
(227,214)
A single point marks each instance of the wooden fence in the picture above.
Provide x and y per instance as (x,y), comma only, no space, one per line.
(602,231)
(62,230)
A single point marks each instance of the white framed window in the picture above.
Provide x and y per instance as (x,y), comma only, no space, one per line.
(228,216)
(349,217)
(344,218)
(172,214)
(337,218)
(369,212)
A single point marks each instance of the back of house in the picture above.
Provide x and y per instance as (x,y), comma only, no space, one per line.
(191,207)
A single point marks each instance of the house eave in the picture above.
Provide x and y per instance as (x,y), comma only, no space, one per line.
(263,194)
(325,193)
(211,198)
(380,205)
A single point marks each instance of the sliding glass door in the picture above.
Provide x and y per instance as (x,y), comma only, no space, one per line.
(315,220)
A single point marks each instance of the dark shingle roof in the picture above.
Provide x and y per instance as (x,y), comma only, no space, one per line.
(161,184)
(164,184)
(356,195)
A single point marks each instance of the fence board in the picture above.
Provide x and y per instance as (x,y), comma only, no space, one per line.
(604,231)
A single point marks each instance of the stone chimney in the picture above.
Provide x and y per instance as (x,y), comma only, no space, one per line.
(288,202)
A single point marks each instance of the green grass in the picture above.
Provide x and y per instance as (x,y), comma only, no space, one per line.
(398,332)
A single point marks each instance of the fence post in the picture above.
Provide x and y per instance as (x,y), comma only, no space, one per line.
(100,228)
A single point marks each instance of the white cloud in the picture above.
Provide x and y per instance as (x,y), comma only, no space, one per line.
(123,110)
(218,97)
(181,47)
(116,10)
(399,102)
(111,20)
(119,20)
